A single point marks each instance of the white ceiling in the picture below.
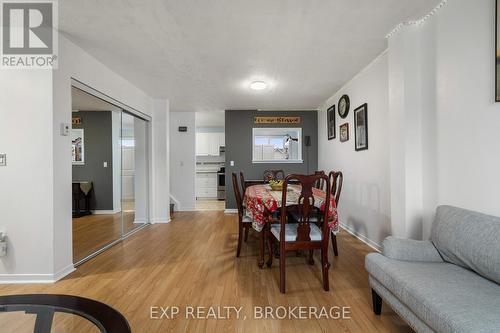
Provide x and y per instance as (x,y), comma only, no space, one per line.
(203,54)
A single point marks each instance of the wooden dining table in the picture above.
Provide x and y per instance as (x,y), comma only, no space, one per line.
(261,202)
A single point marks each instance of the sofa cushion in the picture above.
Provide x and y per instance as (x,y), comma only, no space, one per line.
(468,239)
(447,297)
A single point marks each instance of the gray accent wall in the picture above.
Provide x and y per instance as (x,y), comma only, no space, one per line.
(239,125)
(97,127)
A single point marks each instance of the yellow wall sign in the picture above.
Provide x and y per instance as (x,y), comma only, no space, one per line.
(277,120)
(76,121)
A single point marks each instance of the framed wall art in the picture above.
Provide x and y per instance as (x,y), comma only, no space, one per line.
(361,127)
(344,132)
(330,122)
(77,147)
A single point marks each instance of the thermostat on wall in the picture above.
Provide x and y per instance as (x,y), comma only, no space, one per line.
(183,129)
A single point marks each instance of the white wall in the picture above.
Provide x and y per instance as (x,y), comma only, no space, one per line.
(454,54)
(160,191)
(183,160)
(467,118)
(433,126)
(364,205)
(26,205)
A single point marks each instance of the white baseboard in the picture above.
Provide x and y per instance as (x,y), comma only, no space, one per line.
(105,212)
(160,220)
(230,211)
(63,272)
(35,278)
(140,221)
(374,245)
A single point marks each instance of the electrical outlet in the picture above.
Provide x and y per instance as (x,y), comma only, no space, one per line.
(105,164)
(3,159)
(231,163)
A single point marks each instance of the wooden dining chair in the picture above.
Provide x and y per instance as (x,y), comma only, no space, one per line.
(273,174)
(303,235)
(320,184)
(243,184)
(244,221)
(336,180)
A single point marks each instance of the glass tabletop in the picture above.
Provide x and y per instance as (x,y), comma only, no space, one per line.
(41,313)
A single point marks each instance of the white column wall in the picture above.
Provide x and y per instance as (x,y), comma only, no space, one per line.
(183,160)
(160,187)
(26,195)
(405,109)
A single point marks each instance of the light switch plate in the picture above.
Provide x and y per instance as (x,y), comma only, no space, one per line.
(105,164)
(65,129)
(232,163)
(3,159)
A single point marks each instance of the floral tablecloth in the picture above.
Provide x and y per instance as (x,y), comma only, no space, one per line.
(258,198)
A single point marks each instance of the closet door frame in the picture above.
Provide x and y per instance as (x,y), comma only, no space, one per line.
(136,113)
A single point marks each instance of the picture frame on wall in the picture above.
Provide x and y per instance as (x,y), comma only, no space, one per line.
(497,51)
(361,127)
(330,122)
(344,132)
(77,147)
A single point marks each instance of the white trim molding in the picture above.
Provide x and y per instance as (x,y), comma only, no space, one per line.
(161,220)
(419,21)
(105,212)
(361,237)
(36,278)
(230,211)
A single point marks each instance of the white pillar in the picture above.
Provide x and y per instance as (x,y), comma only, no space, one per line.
(160,187)
(410,156)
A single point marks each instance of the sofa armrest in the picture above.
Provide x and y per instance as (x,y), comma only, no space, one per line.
(410,250)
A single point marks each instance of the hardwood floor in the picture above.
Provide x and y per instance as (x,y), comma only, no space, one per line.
(93,232)
(210,204)
(191,262)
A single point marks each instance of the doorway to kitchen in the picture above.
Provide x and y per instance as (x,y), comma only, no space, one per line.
(210,161)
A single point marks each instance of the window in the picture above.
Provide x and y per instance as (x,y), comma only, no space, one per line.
(277,145)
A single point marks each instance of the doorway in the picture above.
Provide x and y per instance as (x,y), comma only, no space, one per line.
(110,164)
(210,175)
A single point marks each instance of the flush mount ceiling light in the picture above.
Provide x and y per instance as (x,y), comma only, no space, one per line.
(258,85)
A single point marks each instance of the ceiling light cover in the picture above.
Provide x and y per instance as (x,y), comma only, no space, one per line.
(258,85)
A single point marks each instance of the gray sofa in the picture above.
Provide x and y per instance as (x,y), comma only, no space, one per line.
(448,284)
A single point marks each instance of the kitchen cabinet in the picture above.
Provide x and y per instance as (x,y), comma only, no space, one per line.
(206,184)
(208,144)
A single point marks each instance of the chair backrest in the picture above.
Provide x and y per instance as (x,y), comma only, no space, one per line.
(305,205)
(243,184)
(320,183)
(336,181)
(273,174)
(237,195)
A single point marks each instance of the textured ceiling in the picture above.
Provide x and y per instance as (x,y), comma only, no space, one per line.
(202,54)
